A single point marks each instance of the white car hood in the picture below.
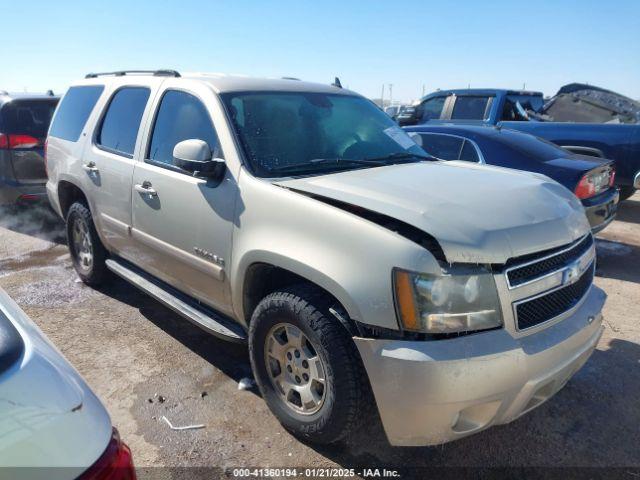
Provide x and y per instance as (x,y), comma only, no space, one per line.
(478,213)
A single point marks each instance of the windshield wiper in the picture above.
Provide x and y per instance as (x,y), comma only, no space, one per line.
(339,162)
(302,166)
(401,156)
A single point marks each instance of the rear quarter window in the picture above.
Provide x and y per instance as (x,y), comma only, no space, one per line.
(444,147)
(74,110)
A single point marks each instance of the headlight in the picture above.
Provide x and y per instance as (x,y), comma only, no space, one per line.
(459,300)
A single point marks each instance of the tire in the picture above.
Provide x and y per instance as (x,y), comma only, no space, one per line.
(346,395)
(79,219)
(626,193)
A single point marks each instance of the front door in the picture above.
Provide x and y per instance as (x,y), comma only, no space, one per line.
(182,225)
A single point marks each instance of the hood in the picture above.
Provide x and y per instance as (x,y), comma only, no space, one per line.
(477,213)
(577,102)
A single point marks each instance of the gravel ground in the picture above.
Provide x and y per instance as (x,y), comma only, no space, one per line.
(145,362)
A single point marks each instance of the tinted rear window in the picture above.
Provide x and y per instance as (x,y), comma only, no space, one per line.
(121,123)
(534,147)
(470,108)
(27,117)
(73,112)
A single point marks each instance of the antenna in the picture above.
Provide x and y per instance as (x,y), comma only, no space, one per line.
(336,83)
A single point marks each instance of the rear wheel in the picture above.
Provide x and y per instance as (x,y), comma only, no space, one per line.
(87,252)
(626,193)
(306,365)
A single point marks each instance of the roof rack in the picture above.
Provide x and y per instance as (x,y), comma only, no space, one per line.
(122,73)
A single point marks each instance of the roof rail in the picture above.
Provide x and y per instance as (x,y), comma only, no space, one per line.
(121,73)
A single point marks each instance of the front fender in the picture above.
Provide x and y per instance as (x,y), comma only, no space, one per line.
(292,265)
(350,257)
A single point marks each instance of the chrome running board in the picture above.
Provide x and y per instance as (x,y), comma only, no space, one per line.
(204,317)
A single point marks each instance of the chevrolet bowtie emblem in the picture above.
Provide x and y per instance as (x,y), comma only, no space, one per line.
(571,273)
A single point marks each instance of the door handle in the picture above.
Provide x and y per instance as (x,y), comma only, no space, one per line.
(145,187)
(90,167)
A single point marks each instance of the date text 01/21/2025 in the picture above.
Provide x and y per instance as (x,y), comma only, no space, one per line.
(314,473)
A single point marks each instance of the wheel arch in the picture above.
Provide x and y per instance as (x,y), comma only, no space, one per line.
(68,194)
(260,275)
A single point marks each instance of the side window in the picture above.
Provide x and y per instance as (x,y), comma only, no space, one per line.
(432,109)
(469,152)
(181,116)
(509,113)
(470,108)
(73,112)
(121,123)
(444,147)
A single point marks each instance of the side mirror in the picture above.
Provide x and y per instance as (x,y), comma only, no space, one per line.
(195,156)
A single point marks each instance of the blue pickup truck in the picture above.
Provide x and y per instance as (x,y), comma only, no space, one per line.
(517,110)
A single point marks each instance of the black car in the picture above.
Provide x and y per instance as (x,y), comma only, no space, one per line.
(24,122)
(591,179)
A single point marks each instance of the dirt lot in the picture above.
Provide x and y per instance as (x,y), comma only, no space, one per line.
(145,362)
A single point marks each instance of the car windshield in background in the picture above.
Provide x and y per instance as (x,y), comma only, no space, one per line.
(533,147)
(28,117)
(292,133)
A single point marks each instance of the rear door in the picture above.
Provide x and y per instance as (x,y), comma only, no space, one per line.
(108,159)
(23,130)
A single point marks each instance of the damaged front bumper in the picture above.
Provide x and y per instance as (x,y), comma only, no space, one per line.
(432,392)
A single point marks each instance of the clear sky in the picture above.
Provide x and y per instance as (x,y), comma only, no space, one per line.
(411,44)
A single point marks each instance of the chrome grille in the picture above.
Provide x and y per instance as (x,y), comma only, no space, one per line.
(544,263)
(548,306)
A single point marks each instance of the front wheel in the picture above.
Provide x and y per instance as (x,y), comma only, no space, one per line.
(87,252)
(306,365)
